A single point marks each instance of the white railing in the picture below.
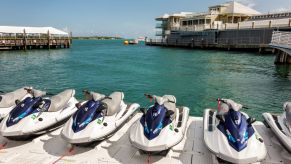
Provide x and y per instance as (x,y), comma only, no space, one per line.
(281,38)
(241,25)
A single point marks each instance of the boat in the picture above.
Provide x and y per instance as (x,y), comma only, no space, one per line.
(8,100)
(98,118)
(132,42)
(38,114)
(230,135)
(280,125)
(161,126)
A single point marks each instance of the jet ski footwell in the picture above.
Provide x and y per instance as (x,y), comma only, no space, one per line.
(50,148)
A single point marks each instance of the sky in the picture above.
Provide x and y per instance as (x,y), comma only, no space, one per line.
(126,18)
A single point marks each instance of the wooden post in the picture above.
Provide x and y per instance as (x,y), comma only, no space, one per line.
(71,40)
(24,39)
(217,26)
(253,24)
(270,24)
(238,26)
(48,39)
(225,26)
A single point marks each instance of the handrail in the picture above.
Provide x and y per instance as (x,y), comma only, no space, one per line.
(281,38)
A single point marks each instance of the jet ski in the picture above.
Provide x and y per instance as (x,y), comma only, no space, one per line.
(281,125)
(38,114)
(7,100)
(230,135)
(162,125)
(97,118)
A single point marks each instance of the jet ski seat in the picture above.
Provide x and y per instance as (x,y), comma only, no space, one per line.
(38,93)
(287,108)
(114,103)
(169,105)
(224,108)
(60,100)
(94,96)
(8,99)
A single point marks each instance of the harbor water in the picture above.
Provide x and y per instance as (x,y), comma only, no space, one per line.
(195,77)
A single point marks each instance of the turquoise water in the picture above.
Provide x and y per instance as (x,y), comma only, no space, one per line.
(195,77)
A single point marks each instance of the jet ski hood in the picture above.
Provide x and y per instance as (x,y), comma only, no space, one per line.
(154,121)
(235,127)
(88,112)
(27,107)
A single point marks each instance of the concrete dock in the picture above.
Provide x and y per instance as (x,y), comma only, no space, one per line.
(51,148)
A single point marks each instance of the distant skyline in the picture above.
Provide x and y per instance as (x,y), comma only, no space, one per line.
(126,18)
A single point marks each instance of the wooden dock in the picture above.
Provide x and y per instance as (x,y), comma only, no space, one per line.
(26,38)
(34,43)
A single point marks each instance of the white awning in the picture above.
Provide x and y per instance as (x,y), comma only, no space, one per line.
(31,30)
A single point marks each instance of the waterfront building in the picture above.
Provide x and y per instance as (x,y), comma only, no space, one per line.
(230,26)
(229,15)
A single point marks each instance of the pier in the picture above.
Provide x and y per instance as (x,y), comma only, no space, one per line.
(227,26)
(27,38)
(281,41)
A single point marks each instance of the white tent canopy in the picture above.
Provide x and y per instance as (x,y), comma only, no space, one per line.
(31,30)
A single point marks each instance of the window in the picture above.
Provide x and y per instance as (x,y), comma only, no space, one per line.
(184,23)
(201,21)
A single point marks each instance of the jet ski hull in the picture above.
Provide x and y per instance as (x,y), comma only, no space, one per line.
(38,123)
(218,144)
(100,128)
(275,122)
(169,136)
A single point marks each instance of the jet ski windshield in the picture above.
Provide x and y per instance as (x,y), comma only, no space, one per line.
(26,107)
(87,113)
(236,129)
(154,120)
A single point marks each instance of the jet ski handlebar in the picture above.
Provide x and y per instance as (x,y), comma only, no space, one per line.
(97,95)
(232,104)
(149,96)
(154,97)
(29,90)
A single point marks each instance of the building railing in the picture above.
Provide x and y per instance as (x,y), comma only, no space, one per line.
(281,38)
(241,25)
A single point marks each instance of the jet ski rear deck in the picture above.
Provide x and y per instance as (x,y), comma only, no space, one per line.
(51,148)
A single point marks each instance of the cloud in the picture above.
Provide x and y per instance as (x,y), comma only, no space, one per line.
(249,3)
(280,10)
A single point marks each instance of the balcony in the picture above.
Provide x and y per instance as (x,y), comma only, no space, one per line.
(160,33)
(161,25)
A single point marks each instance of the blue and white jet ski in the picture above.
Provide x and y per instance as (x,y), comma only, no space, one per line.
(281,125)
(97,118)
(162,126)
(230,135)
(37,115)
(8,100)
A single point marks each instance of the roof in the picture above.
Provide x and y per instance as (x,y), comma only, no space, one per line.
(181,15)
(31,30)
(238,8)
